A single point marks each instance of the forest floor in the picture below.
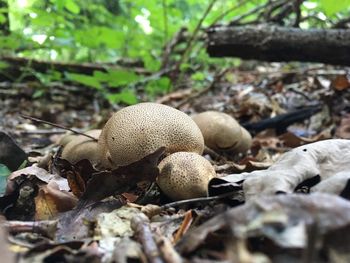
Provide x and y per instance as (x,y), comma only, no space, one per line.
(314,102)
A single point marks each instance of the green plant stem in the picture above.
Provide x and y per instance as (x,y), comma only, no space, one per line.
(165,21)
(189,46)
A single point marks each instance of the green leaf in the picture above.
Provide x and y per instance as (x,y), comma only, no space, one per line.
(3,65)
(158,86)
(4,173)
(331,7)
(198,76)
(121,77)
(86,80)
(126,96)
(72,7)
(3,19)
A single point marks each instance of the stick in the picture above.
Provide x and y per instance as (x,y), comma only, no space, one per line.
(197,200)
(46,227)
(57,126)
(140,224)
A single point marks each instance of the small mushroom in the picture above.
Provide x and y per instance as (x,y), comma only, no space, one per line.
(81,147)
(222,132)
(185,175)
(136,131)
(66,139)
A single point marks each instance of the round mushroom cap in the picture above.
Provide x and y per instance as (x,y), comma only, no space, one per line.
(66,139)
(221,131)
(136,131)
(185,175)
(81,147)
(245,143)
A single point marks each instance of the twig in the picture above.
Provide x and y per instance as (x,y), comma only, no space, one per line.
(196,200)
(168,50)
(342,23)
(297,11)
(237,19)
(192,38)
(57,126)
(214,154)
(169,254)
(216,79)
(271,7)
(46,227)
(141,227)
(43,132)
(221,16)
(165,20)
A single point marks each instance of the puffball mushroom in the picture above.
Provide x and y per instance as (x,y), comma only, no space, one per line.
(81,147)
(222,132)
(66,139)
(136,131)
(185,175)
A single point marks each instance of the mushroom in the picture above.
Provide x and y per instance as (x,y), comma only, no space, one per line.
(68,137)
(222,132)
(185,175)
(81,147)
(136,131)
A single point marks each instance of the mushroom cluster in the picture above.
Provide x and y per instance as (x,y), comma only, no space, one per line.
(137,131)
(222,132)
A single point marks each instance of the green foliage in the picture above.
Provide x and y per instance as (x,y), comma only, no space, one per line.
(158,86)
(4,173)
(109,30)
(126,96)
(332,7)
(86,80)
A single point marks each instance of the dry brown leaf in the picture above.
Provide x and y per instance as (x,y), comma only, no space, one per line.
(45,207)
(343,131)
(186,223)
(50,201)
(281,218)
(341,82)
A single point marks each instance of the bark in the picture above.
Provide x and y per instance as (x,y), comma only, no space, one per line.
(273,43)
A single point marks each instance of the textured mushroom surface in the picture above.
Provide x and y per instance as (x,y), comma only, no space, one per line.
(136,131)
(185,175)
(222,132)
(81,147)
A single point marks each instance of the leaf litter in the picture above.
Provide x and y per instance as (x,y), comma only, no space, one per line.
(279,203)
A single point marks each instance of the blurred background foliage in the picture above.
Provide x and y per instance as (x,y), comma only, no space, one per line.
(129,32)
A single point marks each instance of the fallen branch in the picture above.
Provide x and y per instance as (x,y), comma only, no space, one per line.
(273,43)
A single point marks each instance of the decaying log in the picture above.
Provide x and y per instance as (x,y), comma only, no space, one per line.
(273,43)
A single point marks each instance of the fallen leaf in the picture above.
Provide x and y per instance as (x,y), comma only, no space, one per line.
(323,159)
(343,130)
(341,82)
(50,201)
(281,218)
(11,154)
